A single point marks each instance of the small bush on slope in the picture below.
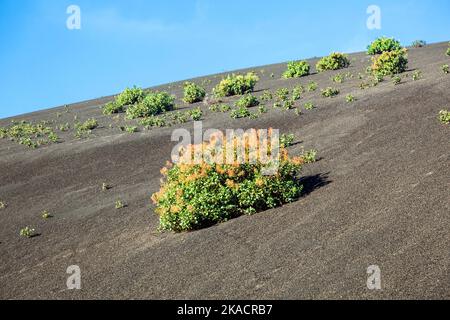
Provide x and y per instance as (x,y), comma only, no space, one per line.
(247,101)
(193,93)
(236,85)
(193,196)
(297,69)
(444,116)
(383,44)
(129,97)
(334,61)
(390,63)
(29,134)
(111,108)
(330,92)
(153,104)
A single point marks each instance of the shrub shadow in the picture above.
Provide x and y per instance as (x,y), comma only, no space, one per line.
(314,182)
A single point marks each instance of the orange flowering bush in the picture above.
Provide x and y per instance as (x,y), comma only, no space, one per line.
(205,188)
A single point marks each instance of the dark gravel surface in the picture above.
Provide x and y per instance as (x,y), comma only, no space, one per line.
(378,196)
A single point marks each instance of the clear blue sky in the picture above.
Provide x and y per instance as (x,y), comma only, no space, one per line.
(149,42)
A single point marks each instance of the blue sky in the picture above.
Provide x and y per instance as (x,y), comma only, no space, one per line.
(147,42)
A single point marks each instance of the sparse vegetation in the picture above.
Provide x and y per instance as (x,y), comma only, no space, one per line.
(120,204)
(85,128)
(29,134)
(312,86)
(236,85)
(105,186)
(309,156)
(309,106)
(241,112)
(417,75)
(266,96)
(262,109)
(247,101)
(3,205)
(382,45)
(350,98)
(330,92)
(193,93)
(153,104)
(196,114)
(27,232)
(153,121)
(46,215)
(334,61)
(396,80)
(390,63)
(339,78)
(444,116)
(286,140)
(445,68)
(282,94)
(297,69)
(129,129)
(297,92)
(194,196)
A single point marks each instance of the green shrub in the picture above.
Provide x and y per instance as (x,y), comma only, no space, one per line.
(448,52)
(266,96)
(236,85)
(29,134)
(129,97)
(179,117)
(396,80)
(27,232)
(153,121)
(288,104)
(247,101)
(330,92)
(194,196)
(153,104)
(85,128)
(312,86)
(286,140)
(3,205)
(334,61)
(444,116)
(193,93)
(309,156)
(309,106)
(196,114)
(417,75)
(390,63)
(282,94)
(419,44)
(111,108)
(225,108)
(241,112)
(46,215)
(383,44)
(297,93)
(445,68)
(350,98)
(129,129)
(262,109)
(120,204)
(297,69)
(339,78)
